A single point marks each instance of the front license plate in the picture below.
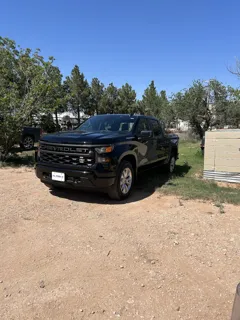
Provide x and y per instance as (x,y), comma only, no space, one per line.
(58,176)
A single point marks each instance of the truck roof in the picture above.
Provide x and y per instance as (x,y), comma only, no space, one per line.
(126,114)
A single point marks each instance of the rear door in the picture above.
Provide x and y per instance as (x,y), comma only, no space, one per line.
(145,146)
(161,142)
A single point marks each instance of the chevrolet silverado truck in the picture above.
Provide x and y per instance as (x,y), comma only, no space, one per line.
(105,152)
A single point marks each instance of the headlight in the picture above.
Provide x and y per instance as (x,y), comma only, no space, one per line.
(104,149)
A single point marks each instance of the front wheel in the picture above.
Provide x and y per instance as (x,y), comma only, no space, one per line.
(124,182)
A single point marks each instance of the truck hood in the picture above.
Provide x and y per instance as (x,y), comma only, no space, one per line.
(78,137)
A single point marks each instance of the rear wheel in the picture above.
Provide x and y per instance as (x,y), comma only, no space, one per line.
(123,183)
(28,143)
(170,166)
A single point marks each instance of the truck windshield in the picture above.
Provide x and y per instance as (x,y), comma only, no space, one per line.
(108,123)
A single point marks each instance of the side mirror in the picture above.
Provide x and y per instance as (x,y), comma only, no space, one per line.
(146,134)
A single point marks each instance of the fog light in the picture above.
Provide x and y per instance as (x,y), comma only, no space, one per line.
(103,160)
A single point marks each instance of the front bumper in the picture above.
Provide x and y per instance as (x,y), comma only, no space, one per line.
(75,178)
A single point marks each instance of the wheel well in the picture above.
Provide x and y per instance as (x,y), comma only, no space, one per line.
(29,135)
(130,158)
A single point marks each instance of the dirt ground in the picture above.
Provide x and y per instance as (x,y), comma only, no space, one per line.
(71,255)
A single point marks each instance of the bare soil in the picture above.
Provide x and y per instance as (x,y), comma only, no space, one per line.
(72,255)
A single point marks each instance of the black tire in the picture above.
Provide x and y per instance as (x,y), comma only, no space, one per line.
(116,191)
(56,188)
(170,166)
(27,143)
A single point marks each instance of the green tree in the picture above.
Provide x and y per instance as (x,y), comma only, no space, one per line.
(79,92)
(127,99)
(218,99)
(151,102)
(26,87)
(167,110)
(96,94)
(192,106)
(57,101)
(233,110)
(109,101)
(203,106)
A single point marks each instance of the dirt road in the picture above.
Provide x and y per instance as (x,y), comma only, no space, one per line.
(71,255)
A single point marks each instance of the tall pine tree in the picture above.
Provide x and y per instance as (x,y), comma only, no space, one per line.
(151,101)
(96,94)
(109,102)
(126,99)
(79,92)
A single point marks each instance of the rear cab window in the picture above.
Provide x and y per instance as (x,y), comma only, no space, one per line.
(143,125)
(156,128)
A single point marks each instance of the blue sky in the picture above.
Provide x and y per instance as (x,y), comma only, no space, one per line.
(171,42)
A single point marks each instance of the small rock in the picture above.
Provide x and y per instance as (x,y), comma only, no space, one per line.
(122,267)
(1,281)
(159,287)
(130,301)
(93,312)
(142,285)
(176,243)
(42,284)
(153,262)
(178,309)
(81,310)
(180,203)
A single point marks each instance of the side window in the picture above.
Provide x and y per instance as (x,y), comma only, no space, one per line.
(143,125)
(156,128)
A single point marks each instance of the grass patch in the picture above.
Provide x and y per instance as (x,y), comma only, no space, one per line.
(189,183)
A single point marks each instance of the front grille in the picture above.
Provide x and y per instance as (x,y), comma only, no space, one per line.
(67,155)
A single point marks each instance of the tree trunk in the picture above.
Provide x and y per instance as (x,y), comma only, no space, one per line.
(197,128)
(56,118)
(78,114)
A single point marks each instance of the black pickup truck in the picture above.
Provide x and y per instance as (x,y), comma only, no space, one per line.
(106,152)
(29,136)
